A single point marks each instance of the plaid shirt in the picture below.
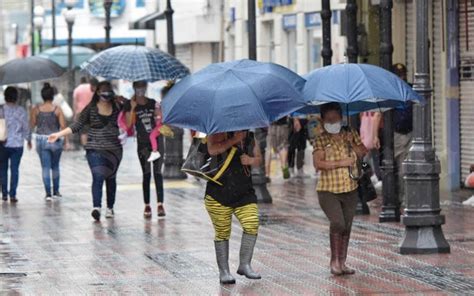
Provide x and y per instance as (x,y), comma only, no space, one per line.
(336,180)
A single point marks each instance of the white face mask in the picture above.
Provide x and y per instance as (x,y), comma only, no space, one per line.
(140,92)
(333,128)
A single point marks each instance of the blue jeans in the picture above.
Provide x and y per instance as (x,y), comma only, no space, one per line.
(104,166)
(50,155)
(10,158)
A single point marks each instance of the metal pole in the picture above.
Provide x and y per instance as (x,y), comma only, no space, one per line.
(107,7)
(252,30)
(352,54)
(53,18)
(422,217)
(40,40)
(258,174)
(69,63)
(326,14)
(32,3)
(351,30)
(173,158)
(391,205)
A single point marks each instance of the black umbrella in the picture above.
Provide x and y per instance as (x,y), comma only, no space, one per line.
(28,70)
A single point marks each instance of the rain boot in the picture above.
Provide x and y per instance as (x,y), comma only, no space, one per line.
(343,255)
(222,256)
(336,244)
(246,253)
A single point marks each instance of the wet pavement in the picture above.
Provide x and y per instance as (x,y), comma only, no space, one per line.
(56,248)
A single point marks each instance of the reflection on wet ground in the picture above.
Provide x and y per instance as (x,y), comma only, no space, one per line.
(55,248)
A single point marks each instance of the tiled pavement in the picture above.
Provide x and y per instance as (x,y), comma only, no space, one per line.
(50,249)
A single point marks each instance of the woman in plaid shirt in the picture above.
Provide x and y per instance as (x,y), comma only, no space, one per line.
(335,150)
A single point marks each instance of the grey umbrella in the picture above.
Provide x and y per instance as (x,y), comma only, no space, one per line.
(28,70)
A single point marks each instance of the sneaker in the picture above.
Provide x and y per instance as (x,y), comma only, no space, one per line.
(286,173)
(301,174)
(123,138)
(161,211)
(49,197)
(469,202)
(147,212)
(154,156)
(13,200)
(96,214)
(374,179)
(57,195)
(109,213)
(5,198)
(378,186)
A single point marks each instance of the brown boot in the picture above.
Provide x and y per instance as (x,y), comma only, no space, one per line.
(343,255)
(336,244)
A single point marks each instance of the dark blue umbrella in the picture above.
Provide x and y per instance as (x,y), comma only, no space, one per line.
(233,96)
(135,63)
(358,88)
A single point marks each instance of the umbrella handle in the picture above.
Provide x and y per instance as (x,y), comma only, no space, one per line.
(359,167)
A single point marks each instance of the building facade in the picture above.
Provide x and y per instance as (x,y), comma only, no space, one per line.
(198,31)
(288,32)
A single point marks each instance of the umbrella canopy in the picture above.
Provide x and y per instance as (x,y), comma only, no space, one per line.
(358,87)
(59,55)
(28,70)
(233,96)
(135,63)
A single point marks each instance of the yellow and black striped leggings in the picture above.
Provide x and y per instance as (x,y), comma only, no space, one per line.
(221,217)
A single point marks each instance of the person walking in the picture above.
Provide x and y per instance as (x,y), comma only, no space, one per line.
(47,118)
(103,148)
(82,96)
(277,140)
(235,196)
(18,131)
(297,140)
(403,131)
(145,114)
(335,150)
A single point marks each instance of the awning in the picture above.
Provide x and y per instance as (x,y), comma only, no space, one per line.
(147,22)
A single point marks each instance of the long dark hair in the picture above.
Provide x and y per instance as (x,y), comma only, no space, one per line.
(47,92)
(96,97)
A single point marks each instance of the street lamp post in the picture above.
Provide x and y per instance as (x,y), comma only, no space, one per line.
(326,13)
(352,55)
(38,22)
(107,8)
(391,205)
(173,158)
(258,174)
(53,20)
(422,217)
(70,18)
(39,27)
(32,24)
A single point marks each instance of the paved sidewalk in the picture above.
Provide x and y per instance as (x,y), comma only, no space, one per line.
(56,248)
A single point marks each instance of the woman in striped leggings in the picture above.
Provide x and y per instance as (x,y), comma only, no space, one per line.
(232,193)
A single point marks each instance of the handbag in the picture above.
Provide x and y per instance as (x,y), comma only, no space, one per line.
(3,125)
(201,164)
(366,189)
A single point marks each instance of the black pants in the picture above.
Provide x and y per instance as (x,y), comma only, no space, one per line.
(144,151)
(297,145)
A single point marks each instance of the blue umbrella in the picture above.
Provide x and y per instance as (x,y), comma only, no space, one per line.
(233,96)
(135,63)
(358,87)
